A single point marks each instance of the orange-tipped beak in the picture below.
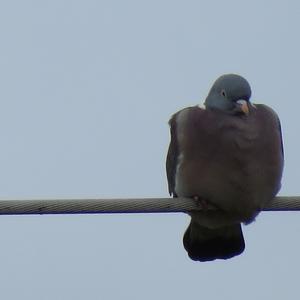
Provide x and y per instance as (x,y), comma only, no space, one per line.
(243,106)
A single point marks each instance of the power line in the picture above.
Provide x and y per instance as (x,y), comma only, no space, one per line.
(138,205)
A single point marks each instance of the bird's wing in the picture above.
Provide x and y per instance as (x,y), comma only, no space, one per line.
(272,118)
(172,157)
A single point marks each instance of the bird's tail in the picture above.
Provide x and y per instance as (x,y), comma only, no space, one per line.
(205,244)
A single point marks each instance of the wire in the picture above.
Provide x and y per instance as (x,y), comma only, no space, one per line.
(139,205)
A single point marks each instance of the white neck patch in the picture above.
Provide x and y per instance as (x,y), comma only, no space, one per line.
(202,106)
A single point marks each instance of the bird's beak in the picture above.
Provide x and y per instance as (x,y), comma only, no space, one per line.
(242,106)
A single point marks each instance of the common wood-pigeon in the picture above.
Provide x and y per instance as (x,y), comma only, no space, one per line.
(228,154)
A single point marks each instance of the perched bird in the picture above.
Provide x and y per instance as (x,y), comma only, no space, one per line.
(228,154)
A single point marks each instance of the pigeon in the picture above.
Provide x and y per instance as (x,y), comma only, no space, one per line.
(227,153)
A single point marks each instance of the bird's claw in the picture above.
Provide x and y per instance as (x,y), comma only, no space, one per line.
(203,203)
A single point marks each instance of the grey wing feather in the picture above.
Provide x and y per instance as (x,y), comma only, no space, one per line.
(172,157)
(279,126)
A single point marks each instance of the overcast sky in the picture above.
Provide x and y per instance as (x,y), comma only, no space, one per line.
(87,88)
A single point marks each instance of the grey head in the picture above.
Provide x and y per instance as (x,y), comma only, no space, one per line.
(230,93)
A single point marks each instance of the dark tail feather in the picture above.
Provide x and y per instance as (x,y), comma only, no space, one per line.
(204,244)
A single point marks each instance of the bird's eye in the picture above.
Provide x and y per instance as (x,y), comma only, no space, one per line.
(223,93)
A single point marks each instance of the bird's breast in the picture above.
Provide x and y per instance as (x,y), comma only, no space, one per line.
(218,161)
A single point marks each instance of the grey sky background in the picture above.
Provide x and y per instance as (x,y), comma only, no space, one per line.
(87,88)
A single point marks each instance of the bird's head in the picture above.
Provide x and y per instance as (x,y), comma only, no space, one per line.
(230,93)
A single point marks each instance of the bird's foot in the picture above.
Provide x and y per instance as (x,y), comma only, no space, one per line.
(203,203)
